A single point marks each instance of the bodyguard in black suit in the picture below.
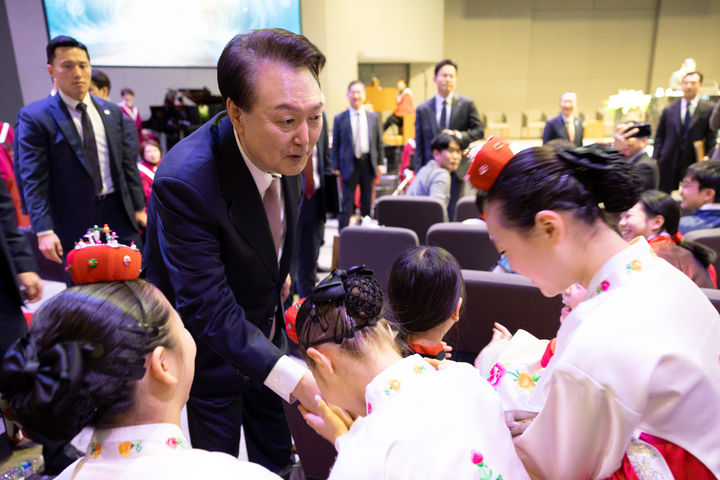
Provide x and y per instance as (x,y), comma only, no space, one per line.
(221,230)
(356,152)
(75,159)
(567,123)
(450,113)
(676,133)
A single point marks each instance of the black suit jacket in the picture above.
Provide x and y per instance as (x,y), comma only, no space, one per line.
(464,118)
(343,151)
(324,166)
(555,128)
(210,250)
(53,173)
(647,169)
(674,150)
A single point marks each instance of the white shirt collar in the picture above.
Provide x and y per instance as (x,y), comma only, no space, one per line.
(71,102)
(710,206)
(439,99)
(262,179)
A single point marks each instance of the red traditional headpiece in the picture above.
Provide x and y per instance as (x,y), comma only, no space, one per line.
(290,317)
(487,162)
(93,261)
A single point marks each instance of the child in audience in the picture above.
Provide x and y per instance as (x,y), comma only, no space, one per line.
(656,218)
(425,295)
(639,356)
(413,421)
(151,156)
(699,192)
(116,357)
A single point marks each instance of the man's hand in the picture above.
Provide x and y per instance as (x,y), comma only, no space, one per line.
(31,285)
(50,246)
(620,137)
(332,421)
(306,391)
(141,218)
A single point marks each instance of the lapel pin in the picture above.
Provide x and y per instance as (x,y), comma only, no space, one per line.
(106,111)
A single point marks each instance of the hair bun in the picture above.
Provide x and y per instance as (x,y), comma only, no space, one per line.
(363,297)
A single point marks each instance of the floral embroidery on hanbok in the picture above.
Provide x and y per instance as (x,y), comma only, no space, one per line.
(486,472)
(95,449)
(603,287)
(393,386)
(126,448)
(496,374)
(634,266)
(174,442)
(420,369)
(525,381)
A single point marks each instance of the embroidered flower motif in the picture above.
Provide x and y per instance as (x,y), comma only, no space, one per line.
(95,449)
(497,372)
(126,448)
(419,369)
(369,408)
(525,381)
(394,385)
(635,265)
(485,471)
(603,287)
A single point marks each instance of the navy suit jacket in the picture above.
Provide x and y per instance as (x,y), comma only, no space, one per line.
(464,118)
(324,165)
(648,170)
(673,150)
(210,250)
(555,128)
(52,171)
(343,150)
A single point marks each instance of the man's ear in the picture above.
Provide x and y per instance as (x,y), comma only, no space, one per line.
(49,69)
(322,361)
(235,114)
(708,195)
(159,366)
(550,224)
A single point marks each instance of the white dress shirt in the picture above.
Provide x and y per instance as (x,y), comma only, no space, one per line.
(438,109)
(355,116)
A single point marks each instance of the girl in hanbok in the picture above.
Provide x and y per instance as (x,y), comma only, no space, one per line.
(412,421)
(425,295)
(116,357)
(656,217)
(639,357)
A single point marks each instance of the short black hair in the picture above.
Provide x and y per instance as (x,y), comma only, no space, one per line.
(353,83)
(707,174)
(63,41)
(127,90)
(100,79)
(242,56)
(700,75)
(441,142)
(442,63)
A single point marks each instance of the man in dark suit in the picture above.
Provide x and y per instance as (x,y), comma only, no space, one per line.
(678,131)
(75,160)
(447,112)
(567,125)
(356,151)
(221,228)
(631,139)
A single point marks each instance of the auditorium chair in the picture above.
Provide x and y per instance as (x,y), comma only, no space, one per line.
(465,209)
(417,213)
(470,244)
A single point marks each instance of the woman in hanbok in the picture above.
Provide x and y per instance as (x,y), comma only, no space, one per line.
(412,421)
(113,356)
(639,357)
(656,217)
(425,295)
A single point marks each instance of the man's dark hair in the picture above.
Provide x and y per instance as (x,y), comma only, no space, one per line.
(127,90)
(241,58)
(442,63)
(100,79)
(707,174)
(441,142)
(62,41)
(700,75)
(350,85)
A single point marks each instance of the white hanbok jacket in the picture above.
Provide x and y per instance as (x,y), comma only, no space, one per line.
(156,451)
(428,424)
(641,352)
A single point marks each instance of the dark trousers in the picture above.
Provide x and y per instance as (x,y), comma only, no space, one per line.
(457,188)
(310,233)
(363,174)
(214,423)
(394,120)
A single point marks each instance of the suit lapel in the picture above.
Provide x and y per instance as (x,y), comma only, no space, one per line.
(245,207)
(454,107)
(64,121)
(433,119)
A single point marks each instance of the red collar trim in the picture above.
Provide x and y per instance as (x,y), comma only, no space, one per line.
(425,350)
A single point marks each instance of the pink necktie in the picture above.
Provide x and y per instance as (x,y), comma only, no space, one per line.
(271,202)
(571,130)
